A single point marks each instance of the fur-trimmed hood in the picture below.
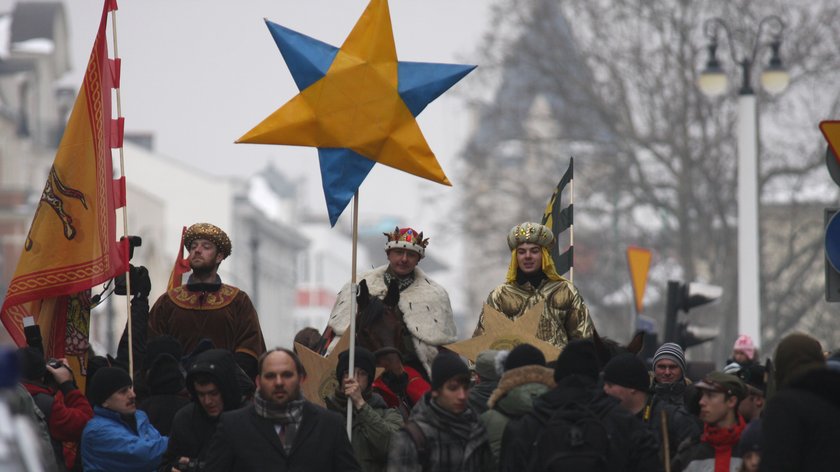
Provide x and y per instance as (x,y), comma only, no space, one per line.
(529,374)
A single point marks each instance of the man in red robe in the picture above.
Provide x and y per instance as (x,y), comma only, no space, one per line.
(205,308)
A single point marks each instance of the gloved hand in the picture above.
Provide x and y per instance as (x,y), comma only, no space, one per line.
(141,284)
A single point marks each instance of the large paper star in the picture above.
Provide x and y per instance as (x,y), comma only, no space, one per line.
(502,333)
(320,379)
(357,105)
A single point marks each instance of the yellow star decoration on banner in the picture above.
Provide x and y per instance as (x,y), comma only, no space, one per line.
(356,105)
(502,333)
(320,371)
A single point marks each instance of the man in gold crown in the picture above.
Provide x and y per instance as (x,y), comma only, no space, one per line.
(532,278)
(205,308)
(424,304)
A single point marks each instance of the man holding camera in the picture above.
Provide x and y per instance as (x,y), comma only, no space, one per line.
(207,308)
(55,393)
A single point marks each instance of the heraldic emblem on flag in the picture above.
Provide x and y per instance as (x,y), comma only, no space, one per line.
(71,245)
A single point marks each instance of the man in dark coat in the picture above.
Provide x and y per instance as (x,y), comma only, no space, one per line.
(799,428)
(633,448)
(167,393)
(281,431)
(214,387)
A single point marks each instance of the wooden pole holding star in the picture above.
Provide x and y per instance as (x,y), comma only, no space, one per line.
(357,104)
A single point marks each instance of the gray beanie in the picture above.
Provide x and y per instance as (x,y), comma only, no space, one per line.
(671,351)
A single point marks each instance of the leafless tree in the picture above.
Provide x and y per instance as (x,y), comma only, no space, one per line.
(613,82)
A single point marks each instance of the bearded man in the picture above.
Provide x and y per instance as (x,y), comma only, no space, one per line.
(205,308)
(425,307)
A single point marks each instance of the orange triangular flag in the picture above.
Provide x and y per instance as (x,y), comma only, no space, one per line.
(639,261)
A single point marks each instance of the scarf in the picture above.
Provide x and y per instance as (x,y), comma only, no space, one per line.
(461,424)
(288,416)
(403,282)
(723,440)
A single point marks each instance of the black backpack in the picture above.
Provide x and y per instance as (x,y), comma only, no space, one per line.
(573,439)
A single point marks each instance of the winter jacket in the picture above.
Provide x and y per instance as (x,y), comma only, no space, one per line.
(480,393)
(111,444)
(565,315)
(800,425)
(634,448)
(453,442)
(416,386)
(514,398)
(373,426)
(167,394)
(247,442)
(698,454)
(682,425)
(192,429)
(69,412)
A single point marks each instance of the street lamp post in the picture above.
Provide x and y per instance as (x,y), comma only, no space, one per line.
(713,82)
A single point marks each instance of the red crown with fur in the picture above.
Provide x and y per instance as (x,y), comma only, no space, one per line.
(406,238)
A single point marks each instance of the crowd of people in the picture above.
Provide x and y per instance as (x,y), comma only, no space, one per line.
(206,395)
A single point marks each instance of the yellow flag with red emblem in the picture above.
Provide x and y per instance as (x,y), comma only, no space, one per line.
(71,245)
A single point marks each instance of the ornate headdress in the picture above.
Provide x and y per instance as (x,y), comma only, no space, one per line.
(406,238)
(211,233)
(533,233)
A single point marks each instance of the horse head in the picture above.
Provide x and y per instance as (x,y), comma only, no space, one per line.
(379,323)
(606,348)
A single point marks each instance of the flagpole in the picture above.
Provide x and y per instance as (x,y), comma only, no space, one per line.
(572,226)
(354,291)
(124,216)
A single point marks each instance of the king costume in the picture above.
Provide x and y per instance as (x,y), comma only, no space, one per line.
(425,305)
(216,311)
(565,315)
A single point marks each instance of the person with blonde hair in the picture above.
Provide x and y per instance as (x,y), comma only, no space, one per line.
(532,278)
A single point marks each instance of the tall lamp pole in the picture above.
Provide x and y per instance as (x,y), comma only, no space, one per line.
(774,80)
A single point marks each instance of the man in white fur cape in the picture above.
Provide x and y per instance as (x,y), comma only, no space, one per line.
(424,304)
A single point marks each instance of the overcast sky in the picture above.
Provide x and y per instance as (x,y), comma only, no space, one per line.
(200,73)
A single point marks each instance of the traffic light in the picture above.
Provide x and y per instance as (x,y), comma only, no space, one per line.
(684,297)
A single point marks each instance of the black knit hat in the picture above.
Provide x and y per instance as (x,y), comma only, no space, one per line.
(107,381)
(161,345)
(629,371)
(445,367)
(364,360)
(522,355)
(578,357)
(33,367)
(165,376)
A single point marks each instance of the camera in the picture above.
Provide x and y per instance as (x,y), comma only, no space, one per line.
(55,363)
(194,465)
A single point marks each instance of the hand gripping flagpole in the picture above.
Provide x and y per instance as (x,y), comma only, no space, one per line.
(124,210)
(351,368)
